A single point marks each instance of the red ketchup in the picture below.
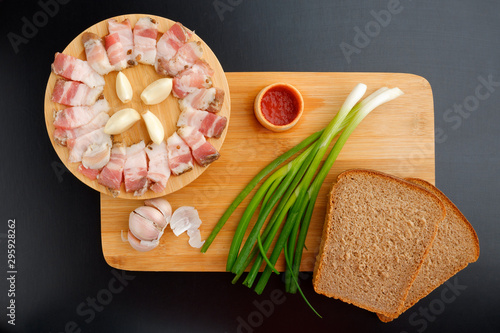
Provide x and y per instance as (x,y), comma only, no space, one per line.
(279,105)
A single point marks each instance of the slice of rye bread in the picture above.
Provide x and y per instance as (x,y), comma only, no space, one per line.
(377,232)
(455,246)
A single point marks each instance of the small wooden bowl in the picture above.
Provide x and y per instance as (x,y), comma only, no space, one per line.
(266,123)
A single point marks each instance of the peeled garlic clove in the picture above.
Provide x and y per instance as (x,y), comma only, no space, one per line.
(141,245)
(121,121)
(157,91)
(143,228)
(154,126)
(152,214)
(184,218)
(162,205)
(123,88)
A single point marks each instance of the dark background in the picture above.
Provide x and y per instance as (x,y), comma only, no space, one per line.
(59,260)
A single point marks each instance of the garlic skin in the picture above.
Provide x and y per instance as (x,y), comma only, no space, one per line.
(140,245)
(121,121)
(157,91)
(154,126)
(184,218)
(123,88)
(162,205)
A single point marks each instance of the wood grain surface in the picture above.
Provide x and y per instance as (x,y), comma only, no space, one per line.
(397,138)
(140,77)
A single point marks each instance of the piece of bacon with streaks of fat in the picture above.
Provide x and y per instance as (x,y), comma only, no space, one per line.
(198,76)
(97,155)
(73,93)
(116,52)
(124,30)
(158,170)
(145,33)
(78,146)
(210,100)
(135,170)
(77,116)
(111,176)
(209,124)
(96,53)
(179,155)
(61,135)
(168,45)
(186,57)
(74,69)
(91,174)
(203,151)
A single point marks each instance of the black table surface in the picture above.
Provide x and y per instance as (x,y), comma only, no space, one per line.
(63,283)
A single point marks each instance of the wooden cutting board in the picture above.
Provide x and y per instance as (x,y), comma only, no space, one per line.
(397,138)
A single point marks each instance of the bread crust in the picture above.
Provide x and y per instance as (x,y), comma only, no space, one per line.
(449,205)
(327,226)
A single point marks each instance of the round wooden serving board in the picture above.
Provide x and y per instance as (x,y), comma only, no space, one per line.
(140,77)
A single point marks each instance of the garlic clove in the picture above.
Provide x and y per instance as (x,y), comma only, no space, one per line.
(121,121)
(157,91)
(140,245)
(152,214)
(154,126)
(142,228)
(123,88)
(162,205)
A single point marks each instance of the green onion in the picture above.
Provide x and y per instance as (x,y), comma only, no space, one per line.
(379,97)
(270,167)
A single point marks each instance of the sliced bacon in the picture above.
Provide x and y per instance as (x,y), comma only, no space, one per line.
(72,68)
(168,45)
(179,155)
(203,99)
(75,93)
(145,33)
(111,175)
(158,171)
(62,135)
(209,124)
(203,152)
(96,53)
(96,156)
(135,170)
(91,174)
(117,54)
(185,58)
(124,30)
(79,115)
(199,76)
(79,145)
